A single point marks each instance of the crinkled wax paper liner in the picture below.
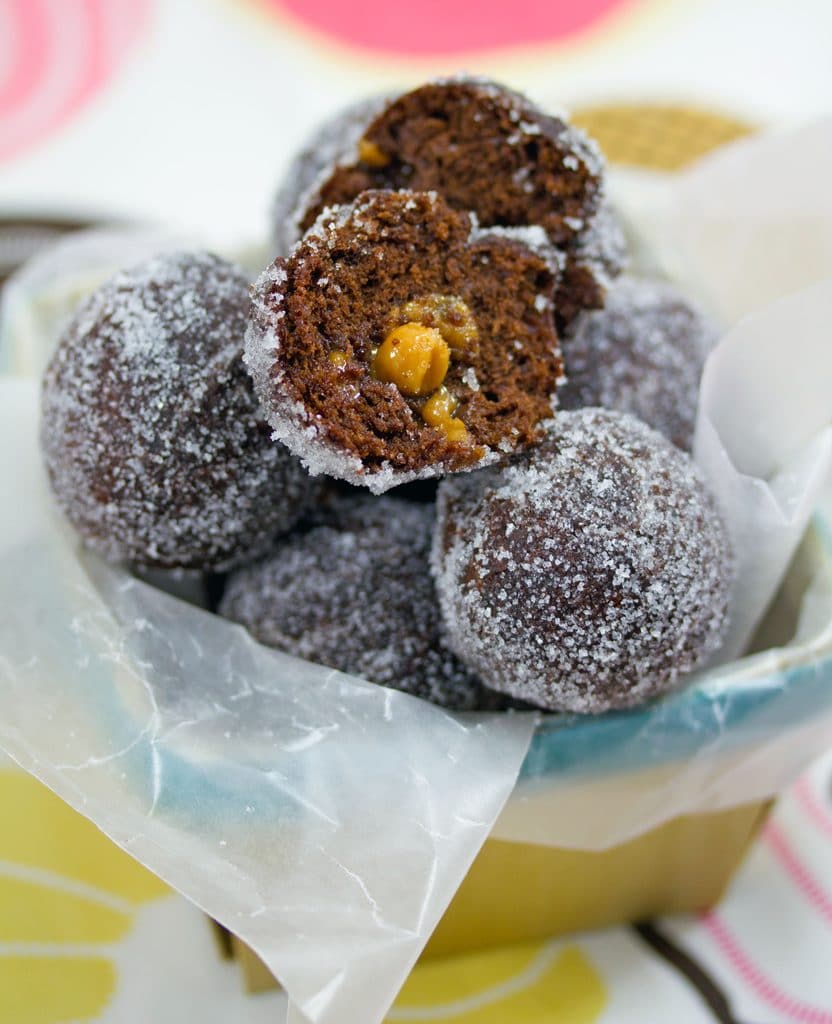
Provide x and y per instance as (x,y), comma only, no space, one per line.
(326,821)
(763,441)
(44,290)
(751,222)
(747,226)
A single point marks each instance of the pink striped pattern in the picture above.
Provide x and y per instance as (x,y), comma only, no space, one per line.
(808,800)
(797,872)
(767,990)
(57,56)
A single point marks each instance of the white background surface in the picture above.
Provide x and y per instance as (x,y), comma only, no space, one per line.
(197,125)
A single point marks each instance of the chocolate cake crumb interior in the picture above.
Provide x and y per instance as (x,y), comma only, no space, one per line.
(485,149)
(482,148)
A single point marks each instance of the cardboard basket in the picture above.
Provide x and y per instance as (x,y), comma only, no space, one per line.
(681,865)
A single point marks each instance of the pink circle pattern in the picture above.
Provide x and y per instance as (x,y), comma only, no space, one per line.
(442,28)
(55,55)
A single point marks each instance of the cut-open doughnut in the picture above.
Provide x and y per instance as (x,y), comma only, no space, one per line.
(399,340)
(483,148)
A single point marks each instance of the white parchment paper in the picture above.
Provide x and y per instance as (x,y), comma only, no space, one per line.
(751,222)
(327,821)
(762,439)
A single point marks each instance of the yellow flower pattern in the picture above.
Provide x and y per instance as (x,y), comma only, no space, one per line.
(66,894)
(537,983)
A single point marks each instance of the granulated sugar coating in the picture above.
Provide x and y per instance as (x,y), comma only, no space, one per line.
(591,573)
(355,593)
(643,353)
(478,298)
(593,265)
(333,143)
(151,433)
(484,149)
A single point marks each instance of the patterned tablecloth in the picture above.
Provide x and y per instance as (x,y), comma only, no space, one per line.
(185,113)
(86,934)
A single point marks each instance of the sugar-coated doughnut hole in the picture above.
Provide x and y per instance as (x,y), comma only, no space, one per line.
(151,433)
(591,573)
(354,592)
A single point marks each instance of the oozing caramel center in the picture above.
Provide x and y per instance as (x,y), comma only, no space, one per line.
(448,314)
(438,411)
(422,337)
(413,357)
(371,154)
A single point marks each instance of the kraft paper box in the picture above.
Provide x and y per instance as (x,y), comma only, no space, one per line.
(681,865)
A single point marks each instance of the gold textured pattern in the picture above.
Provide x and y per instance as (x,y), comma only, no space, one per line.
(658,137)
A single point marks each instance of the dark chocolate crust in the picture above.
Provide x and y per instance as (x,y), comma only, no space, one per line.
(592,266)
(334,295)
(151,433)
(490,151)
(643,353)
(355,593)
(333,142)
(591,573)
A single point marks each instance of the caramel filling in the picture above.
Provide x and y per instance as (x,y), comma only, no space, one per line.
(448,314)
(371,154)
(438,411)
(422,337)
(413,357)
